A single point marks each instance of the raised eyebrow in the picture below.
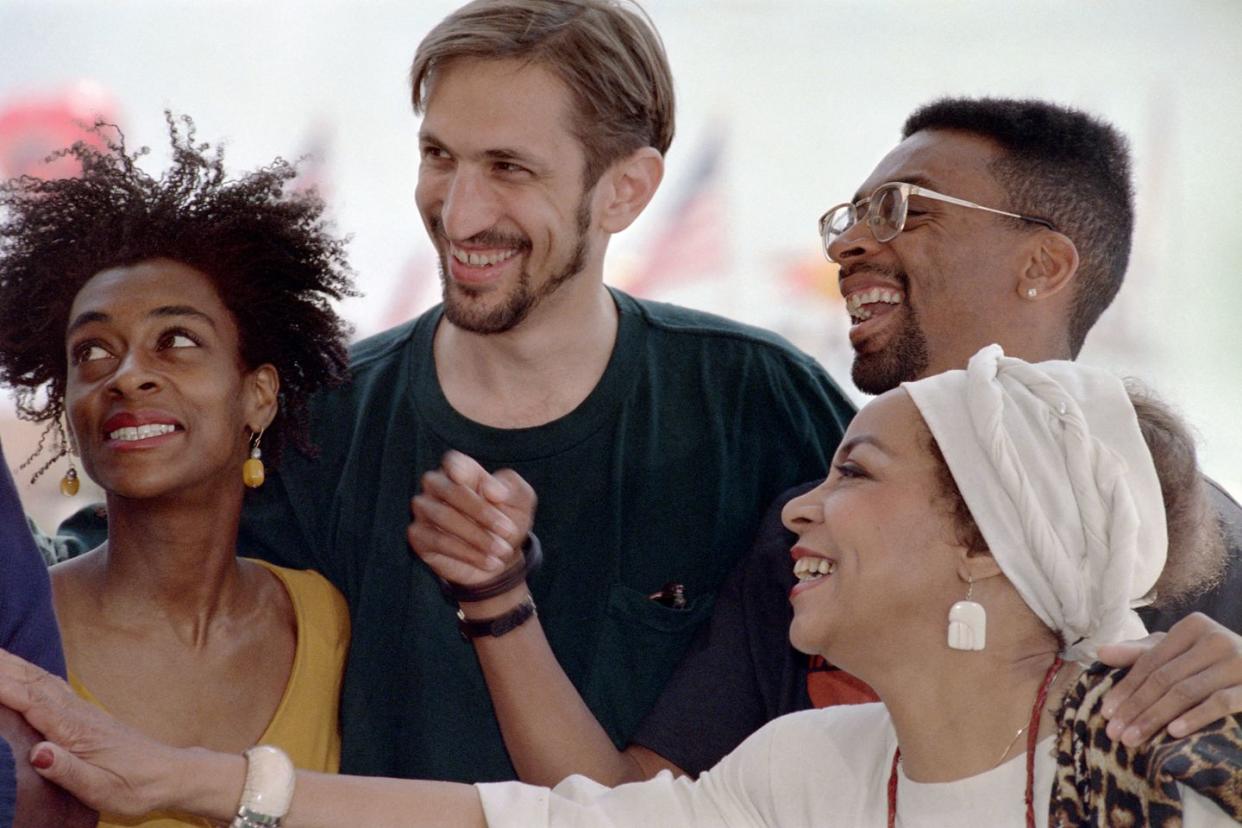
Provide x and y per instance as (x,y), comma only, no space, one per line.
(85,318)
(182,310)
(862,439)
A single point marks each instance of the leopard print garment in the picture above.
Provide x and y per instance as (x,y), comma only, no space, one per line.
(1100,782)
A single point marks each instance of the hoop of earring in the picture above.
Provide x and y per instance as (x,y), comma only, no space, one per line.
(968,623)
(69,484)
(252,470)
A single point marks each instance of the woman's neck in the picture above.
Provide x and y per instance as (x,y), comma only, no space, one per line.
(959,717)
(179,552)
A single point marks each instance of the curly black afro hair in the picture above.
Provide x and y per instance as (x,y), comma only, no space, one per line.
(266,248)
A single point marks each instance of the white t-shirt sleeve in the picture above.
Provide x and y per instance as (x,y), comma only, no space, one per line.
(727,795)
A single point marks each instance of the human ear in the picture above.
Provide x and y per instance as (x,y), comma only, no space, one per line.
(261,387)
(626,188)
(976,567)
(1052,265)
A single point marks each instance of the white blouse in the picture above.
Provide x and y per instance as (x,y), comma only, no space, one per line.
(815,768)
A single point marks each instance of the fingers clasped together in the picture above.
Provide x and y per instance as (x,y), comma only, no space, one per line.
(469,524)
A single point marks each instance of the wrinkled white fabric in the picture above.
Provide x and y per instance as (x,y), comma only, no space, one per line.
(814,769)
(1054,469)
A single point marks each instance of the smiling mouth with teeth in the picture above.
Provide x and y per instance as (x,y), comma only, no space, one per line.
(855,303)
(810,568)
(142,432)
(482,259)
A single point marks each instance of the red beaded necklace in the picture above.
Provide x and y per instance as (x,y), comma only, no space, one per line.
(1032,736)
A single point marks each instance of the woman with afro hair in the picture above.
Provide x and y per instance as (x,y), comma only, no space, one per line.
(169,331)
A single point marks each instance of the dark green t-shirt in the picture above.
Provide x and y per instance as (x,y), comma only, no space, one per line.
(660,475)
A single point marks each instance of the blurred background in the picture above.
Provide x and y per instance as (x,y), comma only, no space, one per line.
(784,108)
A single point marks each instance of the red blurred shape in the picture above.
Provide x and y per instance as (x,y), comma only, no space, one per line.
(35,126)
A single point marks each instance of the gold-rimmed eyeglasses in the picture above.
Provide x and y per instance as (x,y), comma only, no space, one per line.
(884,213)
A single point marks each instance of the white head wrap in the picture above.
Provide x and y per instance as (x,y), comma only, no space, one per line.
(1054,469)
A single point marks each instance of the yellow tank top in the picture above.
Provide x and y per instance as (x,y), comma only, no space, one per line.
(305,722)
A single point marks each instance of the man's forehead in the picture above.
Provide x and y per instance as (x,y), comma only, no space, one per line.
(518,94)
(500,108)
(949,161)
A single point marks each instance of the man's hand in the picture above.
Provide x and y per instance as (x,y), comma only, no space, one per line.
(1185,679)
(468,524)
(102,762)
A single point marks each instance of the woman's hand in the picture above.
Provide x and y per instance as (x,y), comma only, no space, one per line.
(468,524)
(106,764)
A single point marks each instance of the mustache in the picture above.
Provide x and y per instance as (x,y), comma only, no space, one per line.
(485,238)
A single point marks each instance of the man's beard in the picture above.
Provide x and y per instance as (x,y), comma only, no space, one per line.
(523,298)
(903,360)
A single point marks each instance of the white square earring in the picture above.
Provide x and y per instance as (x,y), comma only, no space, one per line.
(968,623)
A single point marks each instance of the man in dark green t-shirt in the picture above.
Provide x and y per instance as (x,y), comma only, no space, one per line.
(655,436)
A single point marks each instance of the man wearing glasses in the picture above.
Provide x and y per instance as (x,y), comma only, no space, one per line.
(962,273)
(992,221)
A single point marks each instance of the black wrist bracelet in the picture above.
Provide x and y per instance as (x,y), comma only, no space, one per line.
(499,625)
(532,557)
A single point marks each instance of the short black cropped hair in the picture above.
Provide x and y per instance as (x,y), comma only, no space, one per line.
(1064,165)
(266,248)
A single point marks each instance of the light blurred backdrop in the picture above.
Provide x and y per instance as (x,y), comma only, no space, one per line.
(784,108)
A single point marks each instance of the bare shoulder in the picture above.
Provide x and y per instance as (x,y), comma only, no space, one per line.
(272,591)
(76,574)
(75,590)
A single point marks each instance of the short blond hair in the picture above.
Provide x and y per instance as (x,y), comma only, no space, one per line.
(607,52)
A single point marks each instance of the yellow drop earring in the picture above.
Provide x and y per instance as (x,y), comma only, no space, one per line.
(252,469)
(69,484)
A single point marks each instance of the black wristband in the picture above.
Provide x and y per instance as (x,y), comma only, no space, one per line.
(532,557)
(499,625)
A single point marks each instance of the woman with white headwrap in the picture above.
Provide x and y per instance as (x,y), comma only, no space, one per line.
(980,534)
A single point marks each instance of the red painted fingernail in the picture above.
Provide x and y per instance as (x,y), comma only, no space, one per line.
(42,758)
